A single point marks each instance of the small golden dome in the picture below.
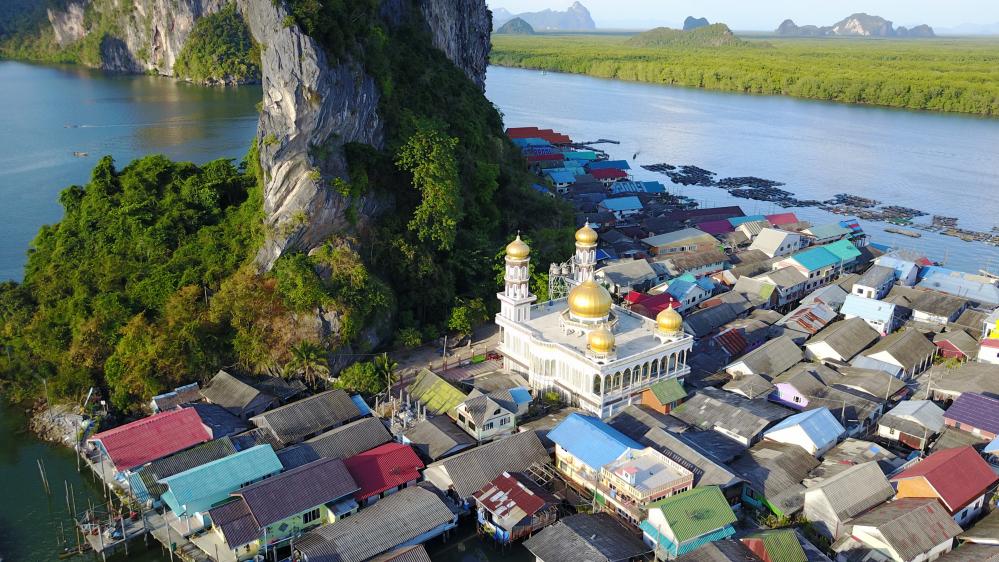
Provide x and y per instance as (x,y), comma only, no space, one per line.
(586,235)
(669,320)
(518,249)
(600,340)
(589,301)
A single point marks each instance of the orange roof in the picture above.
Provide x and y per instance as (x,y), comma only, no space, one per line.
(957,475)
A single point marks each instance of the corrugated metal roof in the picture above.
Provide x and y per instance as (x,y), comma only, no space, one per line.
(438,395)
(438,436)
(912,527)
(202,487)
(590,538)
(308,416)
(816,258)
(151,473)
(854,490)
(630,203)
(605,164)
(399,519)
(941,470)
(728,550)
(230,392)
(696,512)
(470,470)
(668,391)
(298,490)
(590,440)
(350,439)
(976,411)
(819,424)
(846,337)
(868,309)
(383,468)
(781,545)
(772,358)
(776,470)
(154,437)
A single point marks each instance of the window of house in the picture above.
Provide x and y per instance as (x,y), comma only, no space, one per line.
(497,412)
(471,425)
(461,418)
(488,425)
(797,399)
(310,516)
(505,420)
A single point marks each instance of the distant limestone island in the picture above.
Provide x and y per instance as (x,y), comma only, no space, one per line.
(516,26)
(574,18)
(857,25)
(706,35)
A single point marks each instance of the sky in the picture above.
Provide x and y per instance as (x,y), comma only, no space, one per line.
(768,14)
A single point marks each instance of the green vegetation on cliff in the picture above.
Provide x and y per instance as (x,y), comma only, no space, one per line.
(219,50)
(714,35)
(956,75)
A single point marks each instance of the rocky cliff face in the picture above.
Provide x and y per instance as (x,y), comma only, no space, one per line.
(149,34)
(312,108)
(856,25)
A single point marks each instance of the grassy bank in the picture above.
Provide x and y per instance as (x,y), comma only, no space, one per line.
(954,75)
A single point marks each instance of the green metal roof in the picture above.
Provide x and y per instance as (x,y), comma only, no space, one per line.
(435,393)
(668,391)
(844,250)
(782,545)
(695,512)
(200,488)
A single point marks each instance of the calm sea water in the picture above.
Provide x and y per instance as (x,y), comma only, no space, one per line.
(940,163)
(48,113)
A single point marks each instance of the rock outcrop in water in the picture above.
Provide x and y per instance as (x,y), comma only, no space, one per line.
(693,23)
(312,108)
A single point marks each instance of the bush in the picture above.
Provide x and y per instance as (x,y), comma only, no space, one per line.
(219,49)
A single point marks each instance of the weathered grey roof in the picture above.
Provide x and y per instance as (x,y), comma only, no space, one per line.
(878,384)
(727,550)
(339,443)
(830,295)
(776,470)
(254,437)
(961,340)
(220,421)
(820,384)
(414,553)
(786,277)
(986,530)
(952,438)
(484,406)
(908,347)
(922,412)
(710,408)
(772,358)
(297,490)
(971,321)
(971,552)
(852,452)
(230,392)
(468,471)
(769,317)
(704,321)
(236,523)
(438,436)
(391,521)
(846,337)
(854,490)
(283,389)
(968,377)
(176,397)
(924,300)
(911,526)
(750,386)
(903,425)
(627,273)
(298,420)
(589,538)
(184,460)
(876,276)
(683,235)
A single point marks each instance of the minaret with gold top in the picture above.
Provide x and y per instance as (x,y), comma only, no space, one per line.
(586,253)
(516,298)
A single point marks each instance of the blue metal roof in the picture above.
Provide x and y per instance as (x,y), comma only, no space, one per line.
(540,188)
(819,424)
(561,177)
(608,164)
(706,283)
(362,406)
(902,267)
(590,440)
(603,254)
(736,221)
(992,447)
(679,288)
(622,204)
(520,395)
(958,284)
(654,187)
(868,309)
(627,187)
(816,258)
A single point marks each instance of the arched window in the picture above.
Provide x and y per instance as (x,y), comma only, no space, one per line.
(596,385)
(627,378)
(617,381)
(655,368)
(645,372)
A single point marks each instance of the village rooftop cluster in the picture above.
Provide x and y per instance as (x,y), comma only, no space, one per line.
(701,385)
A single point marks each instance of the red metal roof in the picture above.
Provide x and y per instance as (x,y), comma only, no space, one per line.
(716,227)
(536,133)
(733,342)
(651,305)
(509,491)
(383,468)
(608,173)
(142,441)
(782,218)
(958,476)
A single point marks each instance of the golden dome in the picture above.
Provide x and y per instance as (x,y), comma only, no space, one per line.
(586,235)
(669,320)
(589,301)
(518,249)
(600,340)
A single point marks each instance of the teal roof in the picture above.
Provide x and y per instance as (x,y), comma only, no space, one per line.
(824,231)
(844,250)
(816,258)
(202,487)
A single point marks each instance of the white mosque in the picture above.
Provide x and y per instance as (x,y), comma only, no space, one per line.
(595,354)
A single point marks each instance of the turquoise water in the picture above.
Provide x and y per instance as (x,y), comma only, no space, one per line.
(49,113)
(940,163)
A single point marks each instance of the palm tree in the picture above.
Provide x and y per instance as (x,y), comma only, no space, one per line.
(309,359)
(385,368)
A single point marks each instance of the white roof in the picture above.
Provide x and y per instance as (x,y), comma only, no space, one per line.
(769,239)
(923,412)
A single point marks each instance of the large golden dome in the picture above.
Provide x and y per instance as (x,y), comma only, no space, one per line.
(586,235)
(600,341)
(589,301)
(669,320)
(518,249)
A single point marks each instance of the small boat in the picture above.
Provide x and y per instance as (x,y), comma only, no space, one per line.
(80,154)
